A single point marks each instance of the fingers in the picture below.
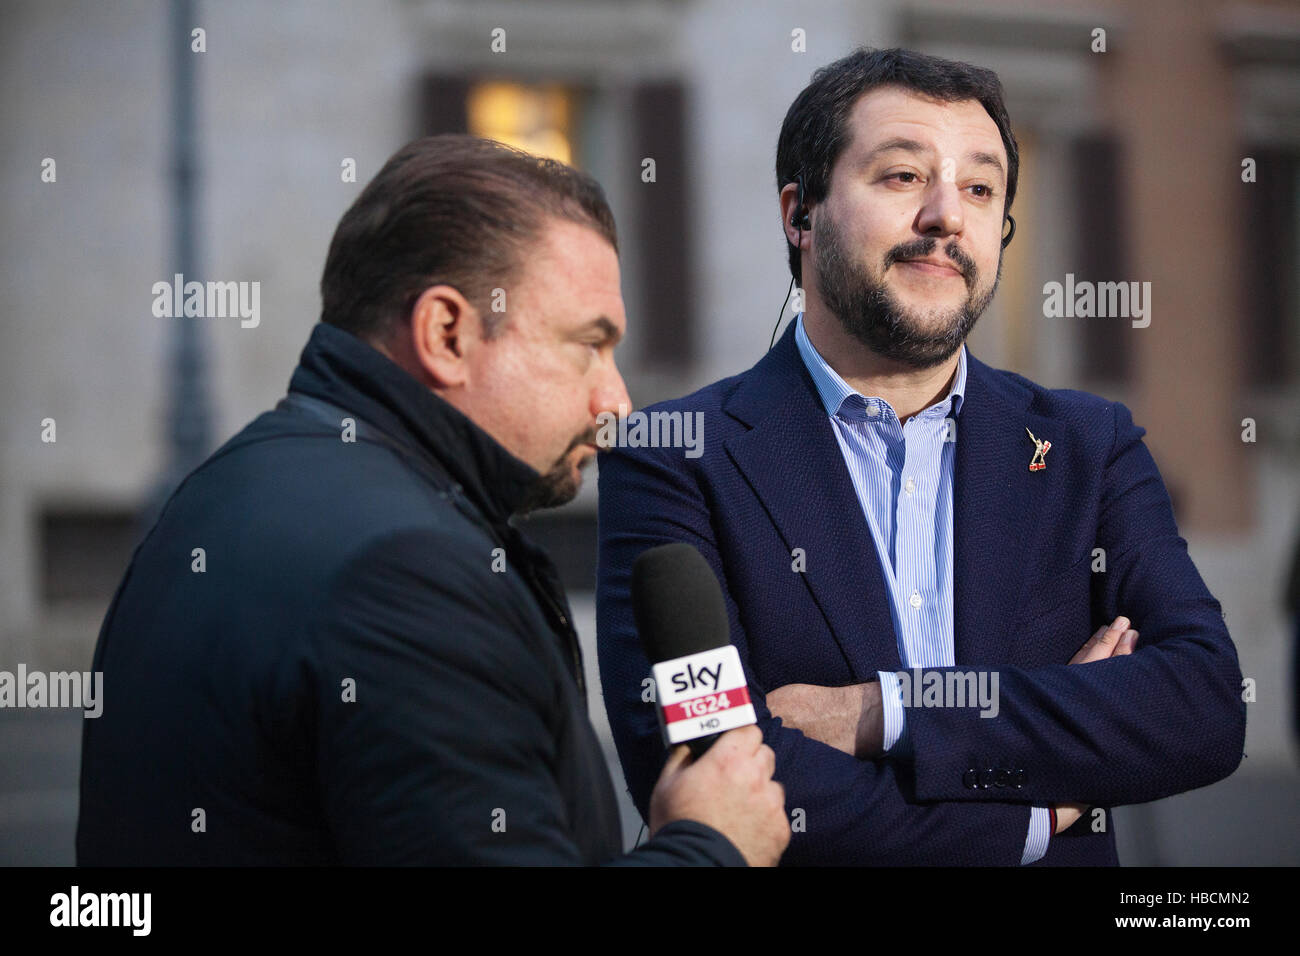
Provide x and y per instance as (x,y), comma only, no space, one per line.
(1067,814)
(741,744)
(745,740)
(744,747)
(1089,652)
(768,756)
(1110,637)
(735,746)
(1102,644)
(677,758)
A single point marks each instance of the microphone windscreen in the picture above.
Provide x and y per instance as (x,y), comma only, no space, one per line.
(677,602)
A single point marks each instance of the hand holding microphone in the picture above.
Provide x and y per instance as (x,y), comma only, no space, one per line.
(729,788)
(719,771)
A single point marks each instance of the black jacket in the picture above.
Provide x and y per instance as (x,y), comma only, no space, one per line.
(364,663)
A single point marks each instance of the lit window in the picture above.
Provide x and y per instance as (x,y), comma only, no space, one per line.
(538,119)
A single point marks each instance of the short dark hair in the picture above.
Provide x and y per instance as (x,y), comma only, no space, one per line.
(450,209)
(814,132)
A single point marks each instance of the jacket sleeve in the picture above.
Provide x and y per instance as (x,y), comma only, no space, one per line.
(843,811)
(1167,718)
(436,720)
(684,843)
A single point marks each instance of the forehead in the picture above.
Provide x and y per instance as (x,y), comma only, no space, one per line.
(572,275)
(891,112)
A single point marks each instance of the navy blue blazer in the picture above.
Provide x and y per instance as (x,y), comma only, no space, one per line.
(772,479)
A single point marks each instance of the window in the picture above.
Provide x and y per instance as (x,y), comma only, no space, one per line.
(1101,254)
(1270,309)
(537,119)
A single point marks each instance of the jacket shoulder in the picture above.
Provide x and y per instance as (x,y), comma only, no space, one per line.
(708,399)
(299,504)
(1068,405)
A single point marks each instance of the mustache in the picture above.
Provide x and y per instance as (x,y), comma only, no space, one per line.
(586,438)
(924,246)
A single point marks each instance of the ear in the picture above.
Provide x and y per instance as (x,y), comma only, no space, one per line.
(445,331)
(790,210)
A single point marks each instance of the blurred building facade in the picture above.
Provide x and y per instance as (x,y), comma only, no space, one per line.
(1131,170)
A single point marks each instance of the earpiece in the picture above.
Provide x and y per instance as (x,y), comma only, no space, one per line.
(801,222)
(800,218)
(1006,240)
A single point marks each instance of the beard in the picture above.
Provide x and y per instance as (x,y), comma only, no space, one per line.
(557,486)
(870,313)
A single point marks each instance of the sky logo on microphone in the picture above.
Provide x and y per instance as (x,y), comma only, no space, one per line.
(702,694)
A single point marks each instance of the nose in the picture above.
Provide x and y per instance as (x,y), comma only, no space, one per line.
(942,213)
(610,394)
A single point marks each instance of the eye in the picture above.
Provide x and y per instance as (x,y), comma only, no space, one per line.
(899,176)
(591,352)
(987,190)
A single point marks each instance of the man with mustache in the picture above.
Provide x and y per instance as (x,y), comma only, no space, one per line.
(896,523)
(335,647)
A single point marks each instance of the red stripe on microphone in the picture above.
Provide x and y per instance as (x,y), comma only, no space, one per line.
(706,704)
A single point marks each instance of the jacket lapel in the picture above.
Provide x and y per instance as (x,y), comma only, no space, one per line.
(791,459)
(996,499)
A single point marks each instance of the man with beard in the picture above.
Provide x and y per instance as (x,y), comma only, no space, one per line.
(335,646)
(915,547)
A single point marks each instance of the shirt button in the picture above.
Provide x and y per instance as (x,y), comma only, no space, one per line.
(910,486)
(872,410)
(915,599)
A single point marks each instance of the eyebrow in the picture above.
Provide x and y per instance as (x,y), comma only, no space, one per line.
(903,144)
(608,330)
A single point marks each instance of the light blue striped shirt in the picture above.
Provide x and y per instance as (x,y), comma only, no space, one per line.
(903,476)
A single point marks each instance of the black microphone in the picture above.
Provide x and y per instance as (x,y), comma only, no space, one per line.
(700,687)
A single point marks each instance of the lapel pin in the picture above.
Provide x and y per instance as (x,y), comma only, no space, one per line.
(1041,448)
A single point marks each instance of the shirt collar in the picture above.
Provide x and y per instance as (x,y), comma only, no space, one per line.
(840,400)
